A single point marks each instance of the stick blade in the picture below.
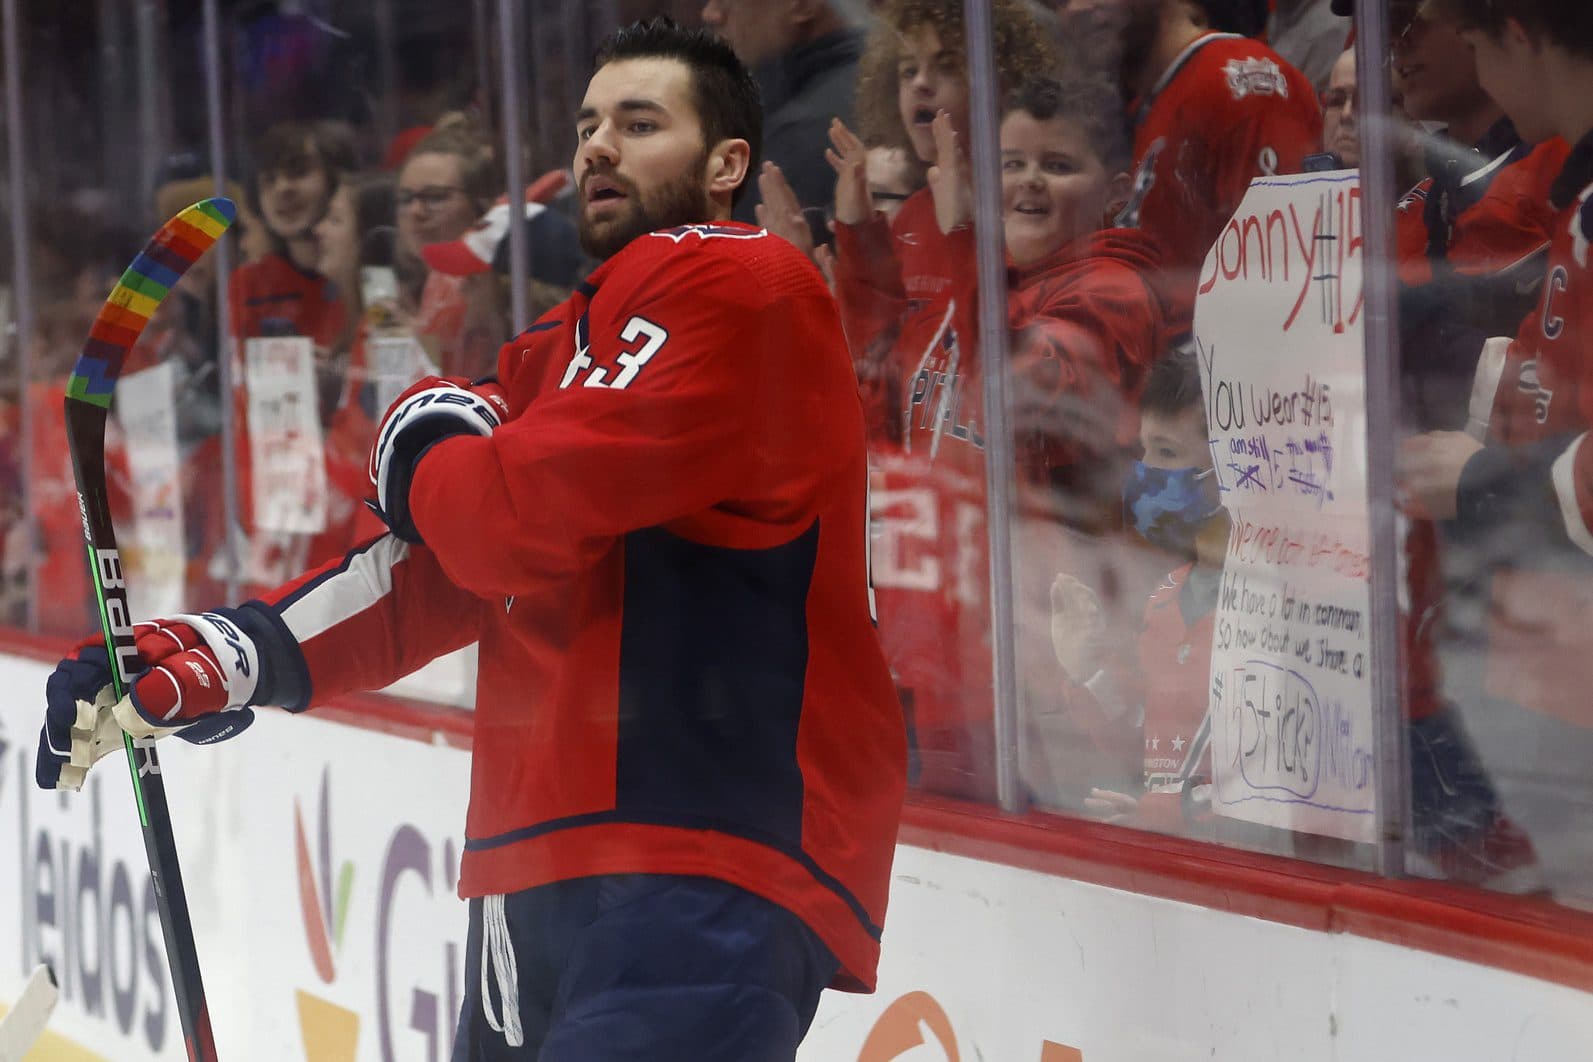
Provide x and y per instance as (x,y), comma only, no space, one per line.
(25,1022)
(140,291)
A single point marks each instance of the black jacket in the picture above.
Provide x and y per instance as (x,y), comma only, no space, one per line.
(802,91)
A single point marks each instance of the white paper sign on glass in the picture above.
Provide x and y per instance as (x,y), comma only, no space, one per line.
(396,362)
(1278,329)
(287,464)
(146,410)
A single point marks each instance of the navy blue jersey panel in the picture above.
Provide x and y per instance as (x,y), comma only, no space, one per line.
(713,653)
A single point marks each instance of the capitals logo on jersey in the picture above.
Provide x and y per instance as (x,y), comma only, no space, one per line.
(935,404)
(1529,383)
(1144,181)
(1256,76)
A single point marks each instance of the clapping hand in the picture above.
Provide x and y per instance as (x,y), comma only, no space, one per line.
(848,157)
(782,215)
(948,177)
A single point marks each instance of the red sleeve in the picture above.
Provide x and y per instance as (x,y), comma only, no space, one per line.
(868,282)
(1083,353)
(657,422)
(373,616)
(1090,333)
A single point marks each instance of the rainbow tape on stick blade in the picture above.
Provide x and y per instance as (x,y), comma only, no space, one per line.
(141,289)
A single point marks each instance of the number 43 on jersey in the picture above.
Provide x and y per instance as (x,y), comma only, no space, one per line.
(644,338)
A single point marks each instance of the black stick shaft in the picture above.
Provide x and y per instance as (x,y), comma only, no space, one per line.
(85,427)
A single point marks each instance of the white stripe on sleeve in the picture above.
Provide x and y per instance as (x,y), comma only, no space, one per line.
(365,579)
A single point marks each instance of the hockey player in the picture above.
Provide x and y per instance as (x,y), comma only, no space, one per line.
(1525,497)
(688,759)
(1212,109)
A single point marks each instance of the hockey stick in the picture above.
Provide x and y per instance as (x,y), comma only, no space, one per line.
(24,1023)
(153,274)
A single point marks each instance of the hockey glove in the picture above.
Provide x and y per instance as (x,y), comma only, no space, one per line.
(432,410)
(201,672)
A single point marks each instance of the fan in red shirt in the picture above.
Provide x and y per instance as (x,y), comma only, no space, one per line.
(1212,110)
(688,760)
(282,294)
(1086,322)
(898,283)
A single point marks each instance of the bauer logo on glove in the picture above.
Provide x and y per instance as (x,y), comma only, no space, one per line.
(198,676)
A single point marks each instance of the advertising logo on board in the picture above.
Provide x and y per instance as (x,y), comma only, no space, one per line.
(408,988)
(329,1031)
(86,901)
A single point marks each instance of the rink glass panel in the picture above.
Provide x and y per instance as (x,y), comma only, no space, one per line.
(1180,689)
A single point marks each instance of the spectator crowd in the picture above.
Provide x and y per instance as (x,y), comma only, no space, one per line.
(1129,132)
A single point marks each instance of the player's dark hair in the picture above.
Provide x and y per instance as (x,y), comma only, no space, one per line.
(1570,25)
(1092,104)
(1173,384)
(726,96)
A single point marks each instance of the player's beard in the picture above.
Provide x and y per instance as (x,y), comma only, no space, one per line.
(681,200)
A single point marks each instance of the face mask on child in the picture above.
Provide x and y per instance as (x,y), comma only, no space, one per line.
(1167,505)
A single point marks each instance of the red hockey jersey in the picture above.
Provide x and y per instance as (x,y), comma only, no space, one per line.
(1498,229)
(662,555)
(1531,490)
(1227,110)
(1164,686)
(925,414)
(274,297)
(893,281)
(1086,323)
(1175,675)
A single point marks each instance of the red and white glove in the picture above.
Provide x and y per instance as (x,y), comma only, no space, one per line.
(202,672)
(433,409)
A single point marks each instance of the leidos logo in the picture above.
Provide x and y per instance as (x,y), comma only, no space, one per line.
(329,1031)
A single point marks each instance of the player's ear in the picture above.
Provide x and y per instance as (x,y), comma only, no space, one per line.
(729,166)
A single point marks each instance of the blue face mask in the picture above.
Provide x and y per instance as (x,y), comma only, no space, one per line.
(1167,505)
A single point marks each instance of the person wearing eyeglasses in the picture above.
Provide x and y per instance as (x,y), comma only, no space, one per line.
(1341,131)
(446,183)
(444,187)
